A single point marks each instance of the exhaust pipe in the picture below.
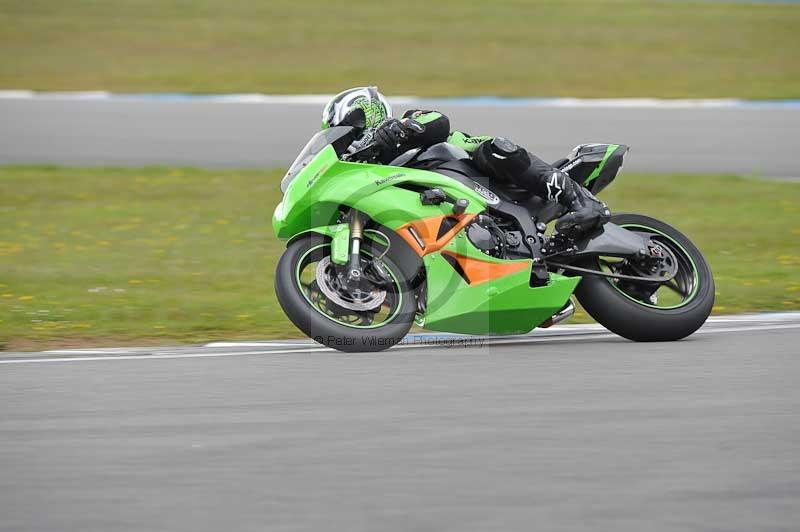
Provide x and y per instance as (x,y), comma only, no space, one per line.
(562,315)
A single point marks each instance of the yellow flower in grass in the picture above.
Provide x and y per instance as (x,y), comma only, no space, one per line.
(25,298)
(124,227)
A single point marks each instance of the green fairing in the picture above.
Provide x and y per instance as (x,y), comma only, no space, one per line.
(340,240)
(316,194)
(594,175)
(465,142)
(340,245)
(506,305)
(324,230)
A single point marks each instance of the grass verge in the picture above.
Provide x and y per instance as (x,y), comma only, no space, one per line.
(160,255)
(588,48)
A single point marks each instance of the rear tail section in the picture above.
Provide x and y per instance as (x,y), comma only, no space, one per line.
(595,165)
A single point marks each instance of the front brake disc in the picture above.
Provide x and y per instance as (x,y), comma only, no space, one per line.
(358,300)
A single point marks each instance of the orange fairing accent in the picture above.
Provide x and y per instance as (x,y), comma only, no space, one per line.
(426,229)
(479,271)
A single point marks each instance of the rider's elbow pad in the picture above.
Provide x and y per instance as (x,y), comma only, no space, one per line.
(437,127)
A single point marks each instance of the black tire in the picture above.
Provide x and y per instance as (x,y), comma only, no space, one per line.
(325,330)
(638,321)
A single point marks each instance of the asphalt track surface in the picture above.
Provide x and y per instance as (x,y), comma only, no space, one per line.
(568,429)
(752,139)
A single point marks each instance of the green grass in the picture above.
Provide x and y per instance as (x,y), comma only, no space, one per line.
(589,48)
(109,256)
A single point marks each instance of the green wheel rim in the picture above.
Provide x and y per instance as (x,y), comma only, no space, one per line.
(388,320)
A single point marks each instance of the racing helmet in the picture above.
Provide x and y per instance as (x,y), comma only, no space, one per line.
(362,107)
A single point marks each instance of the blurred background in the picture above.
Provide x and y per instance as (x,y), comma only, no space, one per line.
(142,142)
(446,48)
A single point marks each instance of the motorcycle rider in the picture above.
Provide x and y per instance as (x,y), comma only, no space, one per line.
(498,157)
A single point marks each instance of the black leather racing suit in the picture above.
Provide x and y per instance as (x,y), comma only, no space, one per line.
(502,160)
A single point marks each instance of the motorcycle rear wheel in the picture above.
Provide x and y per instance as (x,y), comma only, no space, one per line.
(334,323)
(631,311)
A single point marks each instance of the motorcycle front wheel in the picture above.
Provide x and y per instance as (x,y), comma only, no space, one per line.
(646,312)
(373,318)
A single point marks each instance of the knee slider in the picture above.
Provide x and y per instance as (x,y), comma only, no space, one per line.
(501,158)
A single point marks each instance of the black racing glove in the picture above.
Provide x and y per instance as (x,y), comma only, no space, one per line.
(390,136)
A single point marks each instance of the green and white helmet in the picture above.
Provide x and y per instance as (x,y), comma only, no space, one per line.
(374,105)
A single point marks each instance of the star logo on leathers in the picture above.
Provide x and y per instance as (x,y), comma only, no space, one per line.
(552,184)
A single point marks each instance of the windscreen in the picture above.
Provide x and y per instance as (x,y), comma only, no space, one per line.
(314,146)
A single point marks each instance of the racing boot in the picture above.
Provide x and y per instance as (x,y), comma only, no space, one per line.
(585,213)
(508,163)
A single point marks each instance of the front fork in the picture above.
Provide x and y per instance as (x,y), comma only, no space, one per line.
(354,273)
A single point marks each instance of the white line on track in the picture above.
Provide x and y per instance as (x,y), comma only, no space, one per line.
(320,349)
(556,331)
(252,344)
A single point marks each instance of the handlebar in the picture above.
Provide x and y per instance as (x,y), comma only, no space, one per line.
(370,150)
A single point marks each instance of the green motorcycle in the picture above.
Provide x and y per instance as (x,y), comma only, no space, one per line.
(427,239)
